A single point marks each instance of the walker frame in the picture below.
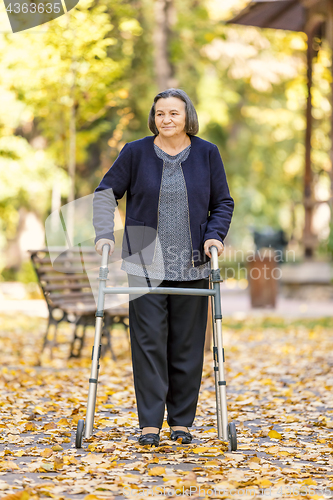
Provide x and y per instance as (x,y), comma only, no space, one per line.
(225,431)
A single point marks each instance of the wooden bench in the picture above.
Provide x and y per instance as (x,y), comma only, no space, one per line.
(66,282)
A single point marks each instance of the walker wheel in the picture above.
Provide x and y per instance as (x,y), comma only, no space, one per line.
(232,436)
(79,434)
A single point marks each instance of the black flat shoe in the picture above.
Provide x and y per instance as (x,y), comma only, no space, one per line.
(186,436)
(149,438)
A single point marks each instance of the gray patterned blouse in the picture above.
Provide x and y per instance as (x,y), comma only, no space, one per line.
(174,247)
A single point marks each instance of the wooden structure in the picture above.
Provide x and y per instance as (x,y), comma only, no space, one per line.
(315,18)
(69,297)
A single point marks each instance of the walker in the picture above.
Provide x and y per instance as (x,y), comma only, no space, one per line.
(225,431)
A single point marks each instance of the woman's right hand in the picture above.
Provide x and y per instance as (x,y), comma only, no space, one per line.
(101,242)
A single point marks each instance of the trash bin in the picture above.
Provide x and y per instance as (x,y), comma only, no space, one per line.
(270,238)
(263,269)
(263,273)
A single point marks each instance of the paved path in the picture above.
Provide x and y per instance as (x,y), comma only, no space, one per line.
(235,304)
(238,305)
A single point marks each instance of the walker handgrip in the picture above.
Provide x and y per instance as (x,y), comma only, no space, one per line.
(105,255)
(214,260)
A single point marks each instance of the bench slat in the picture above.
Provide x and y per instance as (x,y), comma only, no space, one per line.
(86,258)
(66,286)
(62,269)
(67,277)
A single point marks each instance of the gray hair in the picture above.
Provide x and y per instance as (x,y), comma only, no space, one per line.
(191,120)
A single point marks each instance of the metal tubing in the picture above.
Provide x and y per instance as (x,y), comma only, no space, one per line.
(222,388)
(214,266)
(136,290)
(93,376)
(91,404)
(217,392)
(221,396)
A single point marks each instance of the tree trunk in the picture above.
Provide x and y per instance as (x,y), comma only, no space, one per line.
(13,255)
(72,149)
(308,206)
(164,19)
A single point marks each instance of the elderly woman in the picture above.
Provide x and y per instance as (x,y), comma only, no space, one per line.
(176,185)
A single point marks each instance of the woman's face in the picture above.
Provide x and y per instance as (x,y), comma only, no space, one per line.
(170,116)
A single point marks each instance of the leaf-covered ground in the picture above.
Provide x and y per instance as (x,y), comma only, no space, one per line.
(279,384)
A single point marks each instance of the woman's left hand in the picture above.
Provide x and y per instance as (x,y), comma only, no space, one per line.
(217,243)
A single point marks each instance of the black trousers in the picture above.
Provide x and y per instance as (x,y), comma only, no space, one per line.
(167,335)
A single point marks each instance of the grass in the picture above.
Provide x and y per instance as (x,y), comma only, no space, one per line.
(277,322)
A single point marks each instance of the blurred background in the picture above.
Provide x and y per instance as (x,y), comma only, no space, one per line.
(73,91)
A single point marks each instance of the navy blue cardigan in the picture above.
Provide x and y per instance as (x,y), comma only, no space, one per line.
(138,171)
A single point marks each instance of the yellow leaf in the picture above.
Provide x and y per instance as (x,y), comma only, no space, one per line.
(200,449)
(39,410)
(212,462)
(46,467)
(272,450)
(58,463)
(274,435)
(7,465)
(103,421)
(68,459)
(290,419)
(31,427)
(20,495)
(264,483)
(19,453)
(309,481)
(156,471)
(46,453)
(49,425)
(255,459)
(57,447)
(63,421)
(76,418)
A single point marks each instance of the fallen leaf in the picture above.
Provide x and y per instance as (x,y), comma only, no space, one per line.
(31,427)
(156,471)
(274,434)
(49,425)
(57,447)
(199,449)
(46,453)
